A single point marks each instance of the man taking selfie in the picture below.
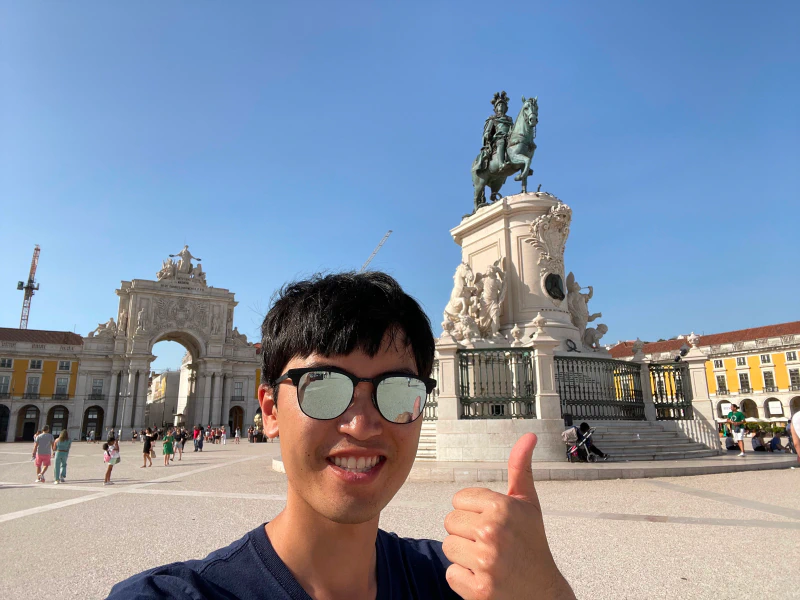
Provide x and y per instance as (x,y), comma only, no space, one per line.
(346,371)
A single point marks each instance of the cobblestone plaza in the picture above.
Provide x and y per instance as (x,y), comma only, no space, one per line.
(641,538)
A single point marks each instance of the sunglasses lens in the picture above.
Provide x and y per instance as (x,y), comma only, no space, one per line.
(324,394)
(401,399)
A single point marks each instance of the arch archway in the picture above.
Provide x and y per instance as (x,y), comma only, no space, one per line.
(5,417)
(93,421)
(235,419)
(27,423)
(58,419)
(175,378)
(773,408)
(794,405)
(749,408)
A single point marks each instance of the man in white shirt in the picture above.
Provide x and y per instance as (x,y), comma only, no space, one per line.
(796,433)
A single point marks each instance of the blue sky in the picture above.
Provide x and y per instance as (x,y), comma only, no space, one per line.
(282,140)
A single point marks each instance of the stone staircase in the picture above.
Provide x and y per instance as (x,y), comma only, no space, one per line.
(644,440)
(427,441)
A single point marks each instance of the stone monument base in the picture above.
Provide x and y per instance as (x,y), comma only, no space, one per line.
(492,439)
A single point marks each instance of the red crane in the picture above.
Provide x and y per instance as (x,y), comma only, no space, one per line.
(29,288)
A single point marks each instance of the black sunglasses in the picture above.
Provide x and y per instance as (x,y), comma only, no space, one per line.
(325,393)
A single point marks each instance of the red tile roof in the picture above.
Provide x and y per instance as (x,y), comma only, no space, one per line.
(624,349)
(40,336)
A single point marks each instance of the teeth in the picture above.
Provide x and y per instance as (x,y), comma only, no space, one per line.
(356,465)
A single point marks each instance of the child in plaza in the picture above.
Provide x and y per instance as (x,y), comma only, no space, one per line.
(346,364)
(61,447)
(237,436)
(111,458)
(147,448)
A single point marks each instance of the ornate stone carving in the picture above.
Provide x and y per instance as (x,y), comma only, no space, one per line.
(578,305)
(516,336)
(473,311)
(549,235)
(787,339)
(181,313)
(141,321)
(592,335)
(239,339)
(738,345)
(693,339)
(638,347)
(761,342)
(123,322)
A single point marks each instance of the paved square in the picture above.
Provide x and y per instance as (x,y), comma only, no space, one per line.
(653,538)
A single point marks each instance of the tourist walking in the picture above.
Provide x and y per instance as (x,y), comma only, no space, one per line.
(110,457)
(237,435)
(147,449)
(61,447)
(222,435)
(178,445)
(90,437)
(736,421)
(167,447)
(200,438)
(42,448)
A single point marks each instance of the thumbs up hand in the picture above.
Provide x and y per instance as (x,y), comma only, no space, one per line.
(497,542)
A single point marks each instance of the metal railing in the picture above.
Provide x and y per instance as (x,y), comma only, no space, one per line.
(4,395)
(770,388)
(431,405)
(720,392)
(794,387)
(96,397)
(745,390)
(30,395)
(672,395)
(497,384)
(237,398)
(61,396)
(599,388)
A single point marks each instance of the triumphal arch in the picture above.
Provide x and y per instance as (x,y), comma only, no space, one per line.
(221,367)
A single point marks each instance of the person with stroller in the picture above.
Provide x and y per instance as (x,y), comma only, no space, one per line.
(587,447)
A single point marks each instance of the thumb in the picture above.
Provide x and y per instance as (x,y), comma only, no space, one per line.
(520,475)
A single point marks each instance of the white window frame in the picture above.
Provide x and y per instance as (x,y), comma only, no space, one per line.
(66,385)
(28,384)
(797,372)
(35,360)
(100,379)
(743,360)
(749,385)
(6,363)
(725,380)
(768,360)
(238,386)
(5,382)
(791,356)
(61,363)
(771,373)
(719,363)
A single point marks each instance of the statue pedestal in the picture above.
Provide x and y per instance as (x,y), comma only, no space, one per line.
(531,254)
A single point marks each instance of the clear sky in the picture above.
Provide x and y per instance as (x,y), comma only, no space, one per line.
(280,139)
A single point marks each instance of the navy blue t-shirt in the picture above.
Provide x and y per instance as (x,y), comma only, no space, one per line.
(250,568)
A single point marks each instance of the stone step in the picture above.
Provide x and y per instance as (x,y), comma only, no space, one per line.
(679,455)
(614,449)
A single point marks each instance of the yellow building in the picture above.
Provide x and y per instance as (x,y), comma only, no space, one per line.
(757,368)
(38,380)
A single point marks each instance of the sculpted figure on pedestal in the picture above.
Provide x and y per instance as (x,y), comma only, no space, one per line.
(578,305)
(491,286)
(473,311)
(239,339)
(507,148)
(123,321)
(107,329)
(141,318)
(198,274)
(185,262)
(592,335)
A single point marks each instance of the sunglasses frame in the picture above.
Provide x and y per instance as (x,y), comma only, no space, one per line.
(294,376)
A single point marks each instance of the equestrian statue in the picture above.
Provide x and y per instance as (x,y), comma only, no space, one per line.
(507,148)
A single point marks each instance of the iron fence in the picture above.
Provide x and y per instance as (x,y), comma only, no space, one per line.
(429,414)
(672,395)
(599,388)
(497,384)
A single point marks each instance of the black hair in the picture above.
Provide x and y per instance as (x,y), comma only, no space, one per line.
(584,427)
(105,446)
(335,314)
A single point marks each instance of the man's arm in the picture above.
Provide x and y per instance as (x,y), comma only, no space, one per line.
(796,440)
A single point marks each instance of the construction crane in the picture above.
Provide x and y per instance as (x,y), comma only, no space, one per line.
(29,288)
(374,252)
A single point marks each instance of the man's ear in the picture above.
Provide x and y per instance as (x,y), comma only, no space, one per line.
(269,410)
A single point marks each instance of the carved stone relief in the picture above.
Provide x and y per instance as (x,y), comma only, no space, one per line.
(549,235)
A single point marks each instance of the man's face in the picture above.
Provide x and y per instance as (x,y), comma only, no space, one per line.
(310,447)
(500,109)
